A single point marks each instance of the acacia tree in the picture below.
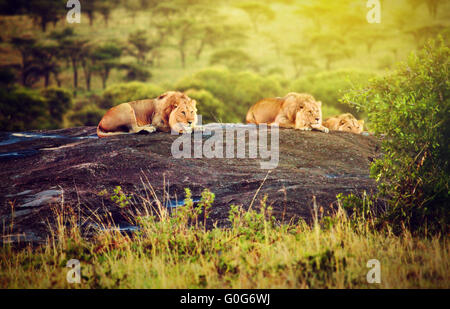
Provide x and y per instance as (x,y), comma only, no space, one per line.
(330,47)
(140,45)
(178,23)
(186,30)
(90,8)
(24,45)
(106,58)
(299,59)
(274,42)
(133,7)
(257,13)
(420,34)
(214,34)
(45,59)
(339,16)
(149,4)
(232,58)
(181,23)
(105,8)
(334,54)
(317,13)
(38,59)
(87,63)
(71,47)
(46,11)
(368,37)
(432,5)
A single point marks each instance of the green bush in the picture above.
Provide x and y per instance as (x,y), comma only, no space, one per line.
(329,87)
(26,109)
(135,72)
(126,92)
(89,115)
(411,107)
(59,102)
(22,109)
(238,91)
(211,109)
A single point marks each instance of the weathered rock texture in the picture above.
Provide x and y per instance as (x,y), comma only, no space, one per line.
(69,168)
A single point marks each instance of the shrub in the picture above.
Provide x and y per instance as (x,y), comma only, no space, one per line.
(126,92)
(238,91)
(26,109)
(23,109)
(411,107)
(135,72)
(211,109)
(329,86)
(59,102)
(89,115)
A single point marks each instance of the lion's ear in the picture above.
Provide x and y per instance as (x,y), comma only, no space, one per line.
(162,96)
(342,122)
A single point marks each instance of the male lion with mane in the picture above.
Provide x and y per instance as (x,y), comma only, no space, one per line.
(296,110)
(345,123)
(170,111)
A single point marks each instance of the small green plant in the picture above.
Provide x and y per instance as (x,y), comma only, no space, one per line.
(120,198)
(360,205)
(205,204)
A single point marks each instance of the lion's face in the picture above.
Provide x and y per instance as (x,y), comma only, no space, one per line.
(183,113)
(311,112)
(348,123)
(345,123)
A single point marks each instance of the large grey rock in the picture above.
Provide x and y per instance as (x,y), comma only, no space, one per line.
(70,168)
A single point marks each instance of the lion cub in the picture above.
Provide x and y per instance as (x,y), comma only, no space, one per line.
(170,111)
(296,110)
(346,123)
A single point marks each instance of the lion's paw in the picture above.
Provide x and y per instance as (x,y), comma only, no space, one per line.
(150,129)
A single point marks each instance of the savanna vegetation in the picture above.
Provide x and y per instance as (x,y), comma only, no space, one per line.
(176,250)
(228,55)
(394,74)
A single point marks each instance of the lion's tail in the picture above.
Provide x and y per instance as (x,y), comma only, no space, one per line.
(101,133)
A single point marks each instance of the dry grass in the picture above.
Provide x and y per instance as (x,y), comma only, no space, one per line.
(255,251)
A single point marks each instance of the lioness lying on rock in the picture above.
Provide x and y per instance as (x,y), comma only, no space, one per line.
(296,110)
(346,123)
(170,111)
